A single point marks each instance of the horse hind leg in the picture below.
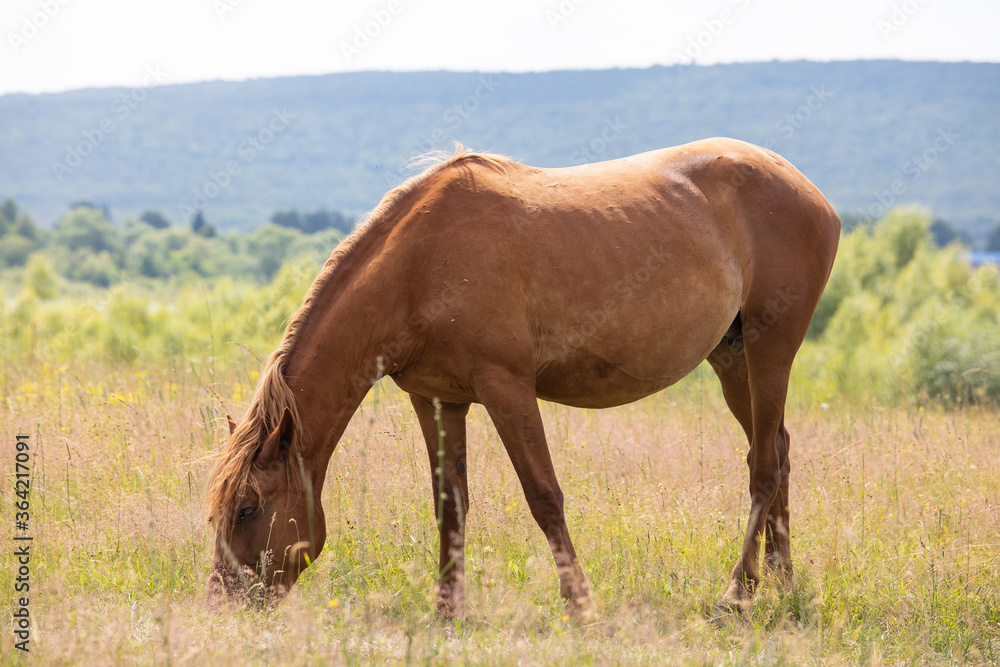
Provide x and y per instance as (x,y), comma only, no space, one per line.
(777,539)
(755,391)
(729,362)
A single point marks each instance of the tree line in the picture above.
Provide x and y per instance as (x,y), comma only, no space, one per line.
(85,246)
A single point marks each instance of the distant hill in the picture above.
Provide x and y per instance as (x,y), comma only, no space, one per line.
(867,133)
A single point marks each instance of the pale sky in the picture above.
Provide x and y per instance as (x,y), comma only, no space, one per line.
(54,45)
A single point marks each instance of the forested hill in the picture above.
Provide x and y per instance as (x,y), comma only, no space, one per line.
(869,133)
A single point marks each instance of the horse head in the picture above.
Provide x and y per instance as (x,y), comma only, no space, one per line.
(269,523)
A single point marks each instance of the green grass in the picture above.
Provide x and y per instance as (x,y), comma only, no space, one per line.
(894,529)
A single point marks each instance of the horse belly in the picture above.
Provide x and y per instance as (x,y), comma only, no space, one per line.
(597,364)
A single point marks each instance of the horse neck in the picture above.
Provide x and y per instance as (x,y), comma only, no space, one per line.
(335,358)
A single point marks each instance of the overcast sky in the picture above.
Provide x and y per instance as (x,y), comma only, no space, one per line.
(54,45)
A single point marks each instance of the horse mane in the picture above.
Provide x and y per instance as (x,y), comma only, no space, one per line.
(232,476)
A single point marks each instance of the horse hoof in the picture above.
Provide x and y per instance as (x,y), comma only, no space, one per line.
(781,569)
(583,609)
(450,610)
(728,610)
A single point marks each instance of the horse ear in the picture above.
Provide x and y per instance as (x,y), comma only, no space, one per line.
(278,443)
(232,424)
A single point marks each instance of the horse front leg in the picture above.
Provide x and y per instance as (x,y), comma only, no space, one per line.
(444,434)
(513,407)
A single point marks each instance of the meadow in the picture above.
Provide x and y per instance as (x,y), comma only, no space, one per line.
(894,490)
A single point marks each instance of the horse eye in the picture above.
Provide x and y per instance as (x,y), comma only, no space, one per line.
(245,512)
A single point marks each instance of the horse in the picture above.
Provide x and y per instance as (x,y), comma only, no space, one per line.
(484,280)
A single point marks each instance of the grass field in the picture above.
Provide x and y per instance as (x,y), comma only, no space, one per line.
(895,527)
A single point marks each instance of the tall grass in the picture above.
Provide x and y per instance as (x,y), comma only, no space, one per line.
(894,533)
(894,499)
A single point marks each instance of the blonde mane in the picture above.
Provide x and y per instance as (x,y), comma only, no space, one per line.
(232,476)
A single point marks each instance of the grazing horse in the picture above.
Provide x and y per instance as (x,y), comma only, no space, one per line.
(483,280)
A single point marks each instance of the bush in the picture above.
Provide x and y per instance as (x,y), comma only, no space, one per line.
(270,245)
(901,319)
(15,250)
(40,278)
(87,229)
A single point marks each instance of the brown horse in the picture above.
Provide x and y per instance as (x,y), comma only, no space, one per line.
(484,280)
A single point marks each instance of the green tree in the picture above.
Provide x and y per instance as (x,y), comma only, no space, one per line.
(290,219)
(945,233)
(99,269)
(318,221)
(15,250)
(86,228)
(147,257)
(902,319)
(15,221)
(155,219)
(8,212)
(19,236)
(41,278)
(202,227)
(270,245)
(311,222)
(103,209)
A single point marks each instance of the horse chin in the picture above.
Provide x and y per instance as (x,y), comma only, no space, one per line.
(215,592)
(242,588)
(277,593)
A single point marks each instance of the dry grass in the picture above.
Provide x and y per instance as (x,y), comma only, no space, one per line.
(895,534)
